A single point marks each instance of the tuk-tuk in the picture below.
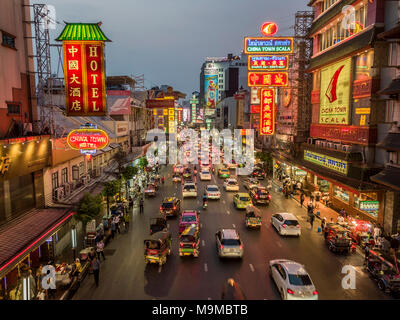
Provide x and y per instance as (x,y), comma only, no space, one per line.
(157,248)
(338,238)
(189,241)
(253,217)
(360,231)
(157,225)
(384,269)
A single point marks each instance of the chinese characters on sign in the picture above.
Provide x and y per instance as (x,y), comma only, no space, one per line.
(268,62)
(268,45)
(267,112)
(84,78)
(171,120)
(266,79)
(4,164)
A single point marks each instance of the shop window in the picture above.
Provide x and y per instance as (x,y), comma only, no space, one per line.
(8,40)
(341,194)
(367,202)
(81,169)
(21,193)
(13,108)
(363,67)
(323,185)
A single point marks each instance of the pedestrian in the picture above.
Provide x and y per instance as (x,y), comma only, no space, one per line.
(312,197)
(113,228)
(92,254)
(100,249)
(310,208)
(343,213)
(299,185)
(302,198)
(377,232)
(323,224)
(117,223)
(163,179)
(141,203)
(312,217)
(130,202)
(366,252)
(96,270)
(127,218)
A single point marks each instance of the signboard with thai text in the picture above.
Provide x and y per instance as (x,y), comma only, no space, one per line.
(84,75)
(268,62)
(325,161)
(268,45)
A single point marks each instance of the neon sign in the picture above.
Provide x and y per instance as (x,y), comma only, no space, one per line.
(267,112)
(268,45)
(268,79)
(268,62)
(86,139)
(269,29)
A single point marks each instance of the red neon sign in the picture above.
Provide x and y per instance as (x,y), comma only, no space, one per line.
(268,79)
(87,139)
(269,29)
(267,112)
(255,109)
(268,62)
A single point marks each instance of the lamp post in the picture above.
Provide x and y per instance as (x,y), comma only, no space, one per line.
(26,285)
(73,240)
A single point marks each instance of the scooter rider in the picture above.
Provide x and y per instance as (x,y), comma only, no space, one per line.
(204,199)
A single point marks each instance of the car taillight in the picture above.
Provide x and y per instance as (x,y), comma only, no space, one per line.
(222,246)
(269,197)
(161,208)
(315,292)
(290,291)
(174,208)
(181,244)
(151,231)
(193,245)
(256,196)
(284,226)
(241,247)
(298,226)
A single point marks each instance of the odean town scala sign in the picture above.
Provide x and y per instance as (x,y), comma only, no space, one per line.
(87,139)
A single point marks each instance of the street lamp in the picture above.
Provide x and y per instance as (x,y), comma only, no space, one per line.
(26,286)
(73,240)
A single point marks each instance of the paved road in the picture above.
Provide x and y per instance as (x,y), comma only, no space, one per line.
(124,275)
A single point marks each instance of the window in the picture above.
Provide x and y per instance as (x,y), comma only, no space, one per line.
(64,175)
(341,194)
(363,67)
(317,80)
(54,180)
(81,169)
(367,202)
(8,40)
(13,108)
(327,4)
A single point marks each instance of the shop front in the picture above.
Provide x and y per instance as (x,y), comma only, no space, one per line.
(285,171)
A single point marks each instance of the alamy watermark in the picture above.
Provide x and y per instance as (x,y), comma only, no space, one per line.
(237,147)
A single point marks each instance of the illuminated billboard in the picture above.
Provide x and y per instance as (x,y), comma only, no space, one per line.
(325,161)
(268,45)
(211,90)
(269,28)
(268,62)
(87,139)
(84,75)
(268,79)
(267,112)
(335,93)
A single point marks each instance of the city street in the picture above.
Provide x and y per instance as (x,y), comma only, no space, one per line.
(124,274)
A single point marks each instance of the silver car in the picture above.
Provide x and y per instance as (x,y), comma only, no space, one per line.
(229,244)
(292,280)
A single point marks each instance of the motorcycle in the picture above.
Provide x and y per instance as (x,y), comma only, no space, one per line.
(205,204)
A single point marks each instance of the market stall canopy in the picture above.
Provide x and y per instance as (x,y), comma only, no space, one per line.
(82,32)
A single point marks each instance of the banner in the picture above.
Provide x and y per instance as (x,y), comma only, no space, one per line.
(335,93)
(211,91)
(160,103)
(331,163)
(268,79)
(267,112)
(84,75)
(268,63)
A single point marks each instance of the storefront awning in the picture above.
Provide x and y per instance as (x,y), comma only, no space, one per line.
(114,145)
(393,88)
(25,234)
(106,149)
(390,177)
(390,142)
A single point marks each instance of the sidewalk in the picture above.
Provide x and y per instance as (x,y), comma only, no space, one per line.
(321,211)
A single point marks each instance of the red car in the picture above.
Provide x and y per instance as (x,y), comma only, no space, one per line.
(188,218)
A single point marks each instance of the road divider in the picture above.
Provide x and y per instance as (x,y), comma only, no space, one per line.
(251,267)
(205,267)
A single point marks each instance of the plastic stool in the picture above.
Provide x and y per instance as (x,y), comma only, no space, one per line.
(319,229)
(318,214)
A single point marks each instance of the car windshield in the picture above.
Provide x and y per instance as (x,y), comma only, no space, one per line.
(187,239)
(205,172)
(188,187)
(188,219)
(230,242)
(300,280)
(244,199)
(232,182)
(167,205)
(212,189)
(291,222)
(155,245)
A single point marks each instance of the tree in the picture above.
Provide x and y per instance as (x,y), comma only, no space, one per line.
(128,173)
(266,159)
(111,188)
(143,162)
(119,156)
(89,208)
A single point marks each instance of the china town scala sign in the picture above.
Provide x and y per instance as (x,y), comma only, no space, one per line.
(87,139)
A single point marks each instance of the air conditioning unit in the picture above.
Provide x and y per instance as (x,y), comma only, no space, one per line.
(318,143)
(58,194)
(88,178)
(323,144)
(346,148)
(337,146)
(67,189)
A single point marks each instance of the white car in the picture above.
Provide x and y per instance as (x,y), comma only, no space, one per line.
(250,183)
(205,175)
(286,224)
(213,192)
(179,168)
(231,185)
(189,190)
(292,280)
(232,165)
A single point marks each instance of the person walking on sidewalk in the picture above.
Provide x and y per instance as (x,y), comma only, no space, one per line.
(323,224)
(100,250)
(312,217)
(141,203)
(113,228)
(117,222)
(127,218)
(302,198)
(96,270)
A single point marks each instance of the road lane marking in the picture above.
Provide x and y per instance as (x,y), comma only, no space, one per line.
(201,225)
(203,243)
(205,267)
(233,225)
(228,212)
(279,244)
(223,201)
(251,267)
(168,225)
(159,269)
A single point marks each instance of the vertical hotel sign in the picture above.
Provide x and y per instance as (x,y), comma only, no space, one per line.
(85,93)
(267,110)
